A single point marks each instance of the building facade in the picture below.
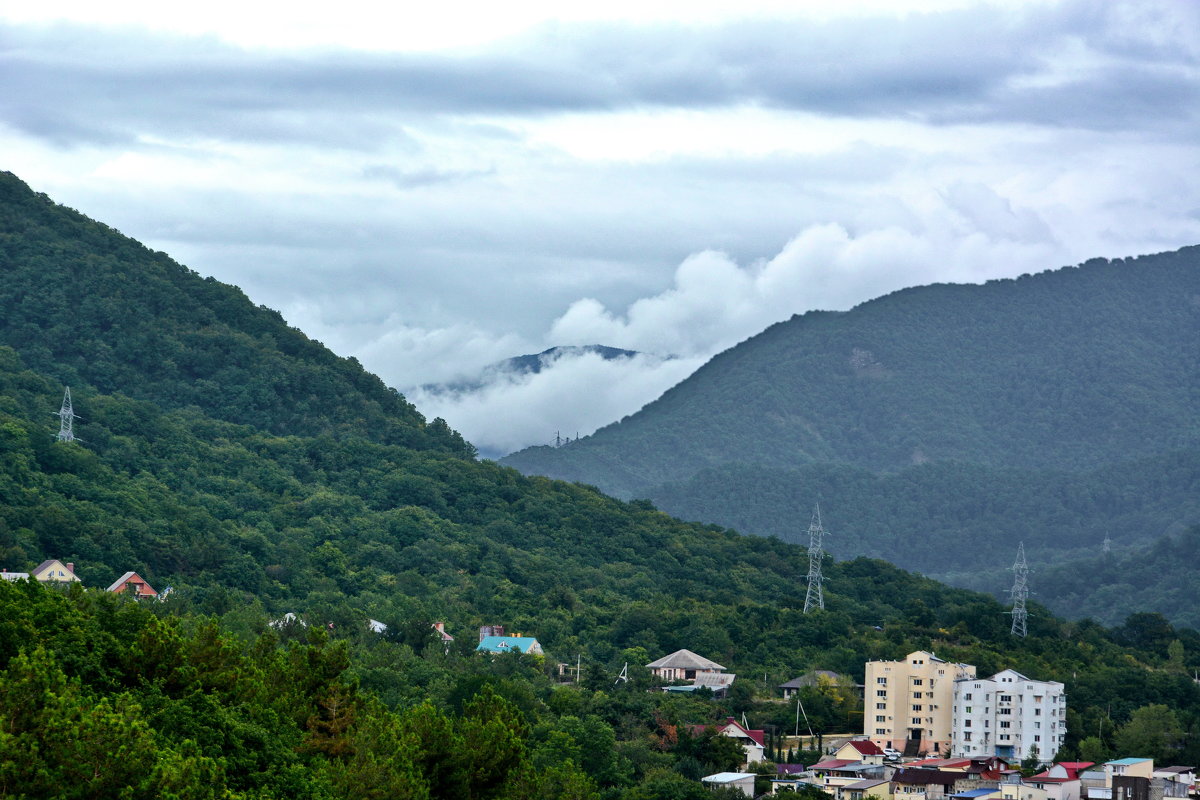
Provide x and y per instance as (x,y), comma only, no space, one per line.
(1010,716)
(907,705)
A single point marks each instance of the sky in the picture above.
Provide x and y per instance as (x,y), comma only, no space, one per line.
(434,191)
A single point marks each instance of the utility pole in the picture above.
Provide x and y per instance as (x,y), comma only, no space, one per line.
(815,598)
(66,419)
(1020,591)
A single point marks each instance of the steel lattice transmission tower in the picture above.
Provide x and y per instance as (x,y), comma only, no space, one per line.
(66,419)
(815,598)
(1020,592)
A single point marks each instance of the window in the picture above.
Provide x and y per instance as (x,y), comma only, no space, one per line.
(917,695)
(966,723)
(967,736)
(1006,698)
(880,706)
(1005,724)
(880,731)
(916,720)
(917,682)
(1037,712)
(1006,711)
(1037,725)
(880,718)
(881,680)
(1037,738)
(967,696)
(968,709)
(1004,737)
(881,692)
(917,708)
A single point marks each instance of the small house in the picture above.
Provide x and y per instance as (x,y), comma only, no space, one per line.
(510,644)
(737,780)
(683,665)
(814,679)
(863,750)
(54,571)
(134,584)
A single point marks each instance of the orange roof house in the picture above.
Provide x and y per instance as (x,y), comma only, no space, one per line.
(133,583)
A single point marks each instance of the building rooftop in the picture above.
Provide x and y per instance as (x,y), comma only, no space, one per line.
(684,659)
(867,784)
(727,777)
(506,644)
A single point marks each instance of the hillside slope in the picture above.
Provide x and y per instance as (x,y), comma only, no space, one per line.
(1071,369)
(84,304)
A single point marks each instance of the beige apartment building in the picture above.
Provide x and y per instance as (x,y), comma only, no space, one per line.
(909,705)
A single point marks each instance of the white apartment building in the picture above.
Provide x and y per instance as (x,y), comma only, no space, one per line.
(907,704)
(1008,715)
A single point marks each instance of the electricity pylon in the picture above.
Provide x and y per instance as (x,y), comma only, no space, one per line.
(815,598)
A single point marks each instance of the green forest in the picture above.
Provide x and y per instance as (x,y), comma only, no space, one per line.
(271,477)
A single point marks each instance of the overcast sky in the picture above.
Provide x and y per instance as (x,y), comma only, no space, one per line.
(435,191)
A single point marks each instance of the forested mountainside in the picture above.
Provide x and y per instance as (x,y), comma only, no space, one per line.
(84,304)
(213,693)
(940,425)
(952,513)
(1070,369)
(1105,586)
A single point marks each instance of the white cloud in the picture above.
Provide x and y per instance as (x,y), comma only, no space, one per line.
(714,302)
(577,394)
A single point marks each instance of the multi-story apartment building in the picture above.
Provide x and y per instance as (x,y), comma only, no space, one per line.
(907,704)
(1008,715)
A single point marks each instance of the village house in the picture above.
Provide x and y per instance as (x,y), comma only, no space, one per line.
(1060,781)
(814,679)
(1175,781)
(5,575)
(836,774)
(753,742)
(54,571)
(683,665)
(869,789)
(863,750)
(736,780)
(133,584)
(926,784)
(510,644)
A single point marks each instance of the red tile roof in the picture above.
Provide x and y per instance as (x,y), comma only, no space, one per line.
(866,747)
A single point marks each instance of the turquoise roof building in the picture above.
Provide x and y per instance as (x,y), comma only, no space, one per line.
(509,644)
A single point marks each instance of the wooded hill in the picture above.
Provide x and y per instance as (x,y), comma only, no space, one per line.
(306,509)
(939,425)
